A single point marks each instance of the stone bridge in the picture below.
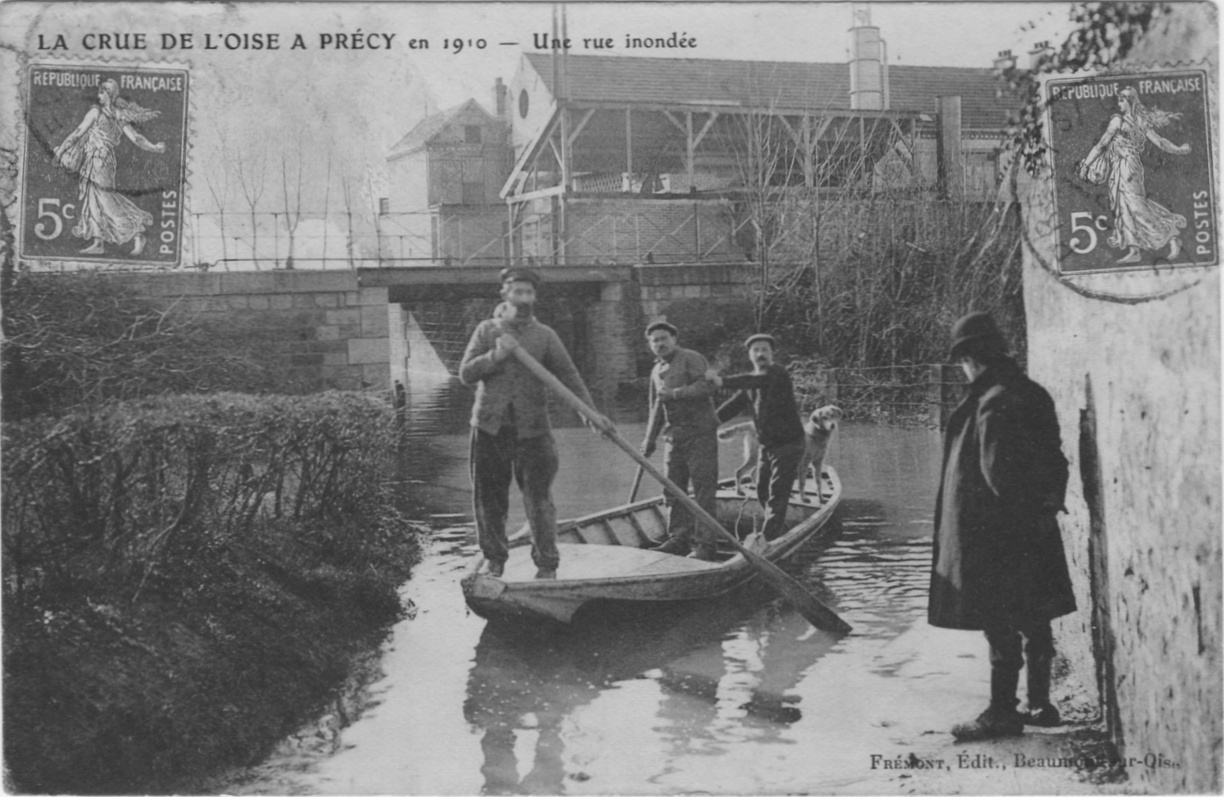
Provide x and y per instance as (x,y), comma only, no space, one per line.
(362,328)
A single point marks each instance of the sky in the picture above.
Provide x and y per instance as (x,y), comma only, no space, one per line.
(394,87)
(340,111)
(929,34)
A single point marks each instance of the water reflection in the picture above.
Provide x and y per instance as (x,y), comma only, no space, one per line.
(720,673)
(738,696)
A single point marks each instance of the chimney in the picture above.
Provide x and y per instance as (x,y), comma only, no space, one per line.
(1005,61)
(499,99)
(868,63)
(1039,52)
(948,147)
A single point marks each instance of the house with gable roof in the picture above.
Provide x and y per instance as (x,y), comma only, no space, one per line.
(445,175)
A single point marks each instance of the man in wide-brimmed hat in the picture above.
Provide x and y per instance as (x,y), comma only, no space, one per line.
(770,395)
(511,434)
(999,564)
(682,410)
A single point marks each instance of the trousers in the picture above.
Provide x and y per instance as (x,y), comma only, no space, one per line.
(533,464)
(775,478)
(1016,644)
(692,460)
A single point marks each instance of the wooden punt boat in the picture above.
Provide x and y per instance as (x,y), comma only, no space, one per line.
(604,558)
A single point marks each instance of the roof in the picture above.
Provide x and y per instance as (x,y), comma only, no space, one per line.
(782,84)
(430,126)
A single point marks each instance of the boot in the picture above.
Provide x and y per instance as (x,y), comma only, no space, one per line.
(546,573)
(1000,718)
(679,546)
(1040,712)
(704,552)
(991,724)
(496,568)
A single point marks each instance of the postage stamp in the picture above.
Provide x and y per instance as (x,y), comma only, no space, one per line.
(105,163)
(1134,186)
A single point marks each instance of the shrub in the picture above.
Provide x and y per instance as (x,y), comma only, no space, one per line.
(102,495)
(77,338)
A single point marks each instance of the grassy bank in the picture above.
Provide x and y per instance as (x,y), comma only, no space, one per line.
(186,580)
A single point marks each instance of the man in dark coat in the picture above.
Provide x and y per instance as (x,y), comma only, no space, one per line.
(999,564)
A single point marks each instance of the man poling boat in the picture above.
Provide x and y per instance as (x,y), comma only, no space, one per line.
(619,569)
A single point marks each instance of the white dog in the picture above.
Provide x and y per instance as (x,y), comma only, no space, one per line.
(818,431)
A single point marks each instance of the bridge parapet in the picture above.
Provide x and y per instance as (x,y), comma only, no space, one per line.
(332,330)
(336,327)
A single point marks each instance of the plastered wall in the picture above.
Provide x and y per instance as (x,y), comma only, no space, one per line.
(1132,361)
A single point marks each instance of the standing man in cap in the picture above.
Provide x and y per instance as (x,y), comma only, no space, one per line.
(681,408)
(511,434)
(999,565)
(769,393)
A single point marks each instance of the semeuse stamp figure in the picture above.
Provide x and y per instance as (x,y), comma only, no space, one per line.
(998,562)
(106,216)
(1139,222)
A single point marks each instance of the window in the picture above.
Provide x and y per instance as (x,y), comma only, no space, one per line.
(384,206)
(523,103)
(471,134)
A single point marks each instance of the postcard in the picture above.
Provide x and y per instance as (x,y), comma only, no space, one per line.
(947,273)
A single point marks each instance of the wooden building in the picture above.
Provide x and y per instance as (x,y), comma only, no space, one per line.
(612,159)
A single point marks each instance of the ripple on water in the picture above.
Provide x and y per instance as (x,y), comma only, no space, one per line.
(739,695)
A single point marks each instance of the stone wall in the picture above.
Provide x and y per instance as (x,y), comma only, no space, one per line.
(333,332)
(661,286)
(1136,379)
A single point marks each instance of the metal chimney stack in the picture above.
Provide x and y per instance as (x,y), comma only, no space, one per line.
(868,63)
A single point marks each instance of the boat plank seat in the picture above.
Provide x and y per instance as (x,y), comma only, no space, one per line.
(623,531)
(652,523)
(644,540)
(602,561)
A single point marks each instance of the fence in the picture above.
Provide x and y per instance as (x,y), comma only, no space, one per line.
(615,230)
(904,394)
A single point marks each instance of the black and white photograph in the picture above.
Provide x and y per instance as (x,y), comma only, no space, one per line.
(610,398)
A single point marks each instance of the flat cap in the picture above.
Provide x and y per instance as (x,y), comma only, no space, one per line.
(760,336)
(517,273)
(664,326)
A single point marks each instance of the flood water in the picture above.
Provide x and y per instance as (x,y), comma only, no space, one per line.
(740,697)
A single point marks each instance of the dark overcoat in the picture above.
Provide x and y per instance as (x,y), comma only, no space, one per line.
(998,550)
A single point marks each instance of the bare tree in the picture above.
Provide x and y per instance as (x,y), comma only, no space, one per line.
(221,197)
(852,253)
(292,178)
(251,170)
(327,199)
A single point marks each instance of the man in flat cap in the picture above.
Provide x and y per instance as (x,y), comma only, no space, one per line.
(999,564)
(511,434)
(682,409)
(770,396)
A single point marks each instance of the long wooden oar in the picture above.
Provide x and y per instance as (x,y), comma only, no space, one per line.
(805,602)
